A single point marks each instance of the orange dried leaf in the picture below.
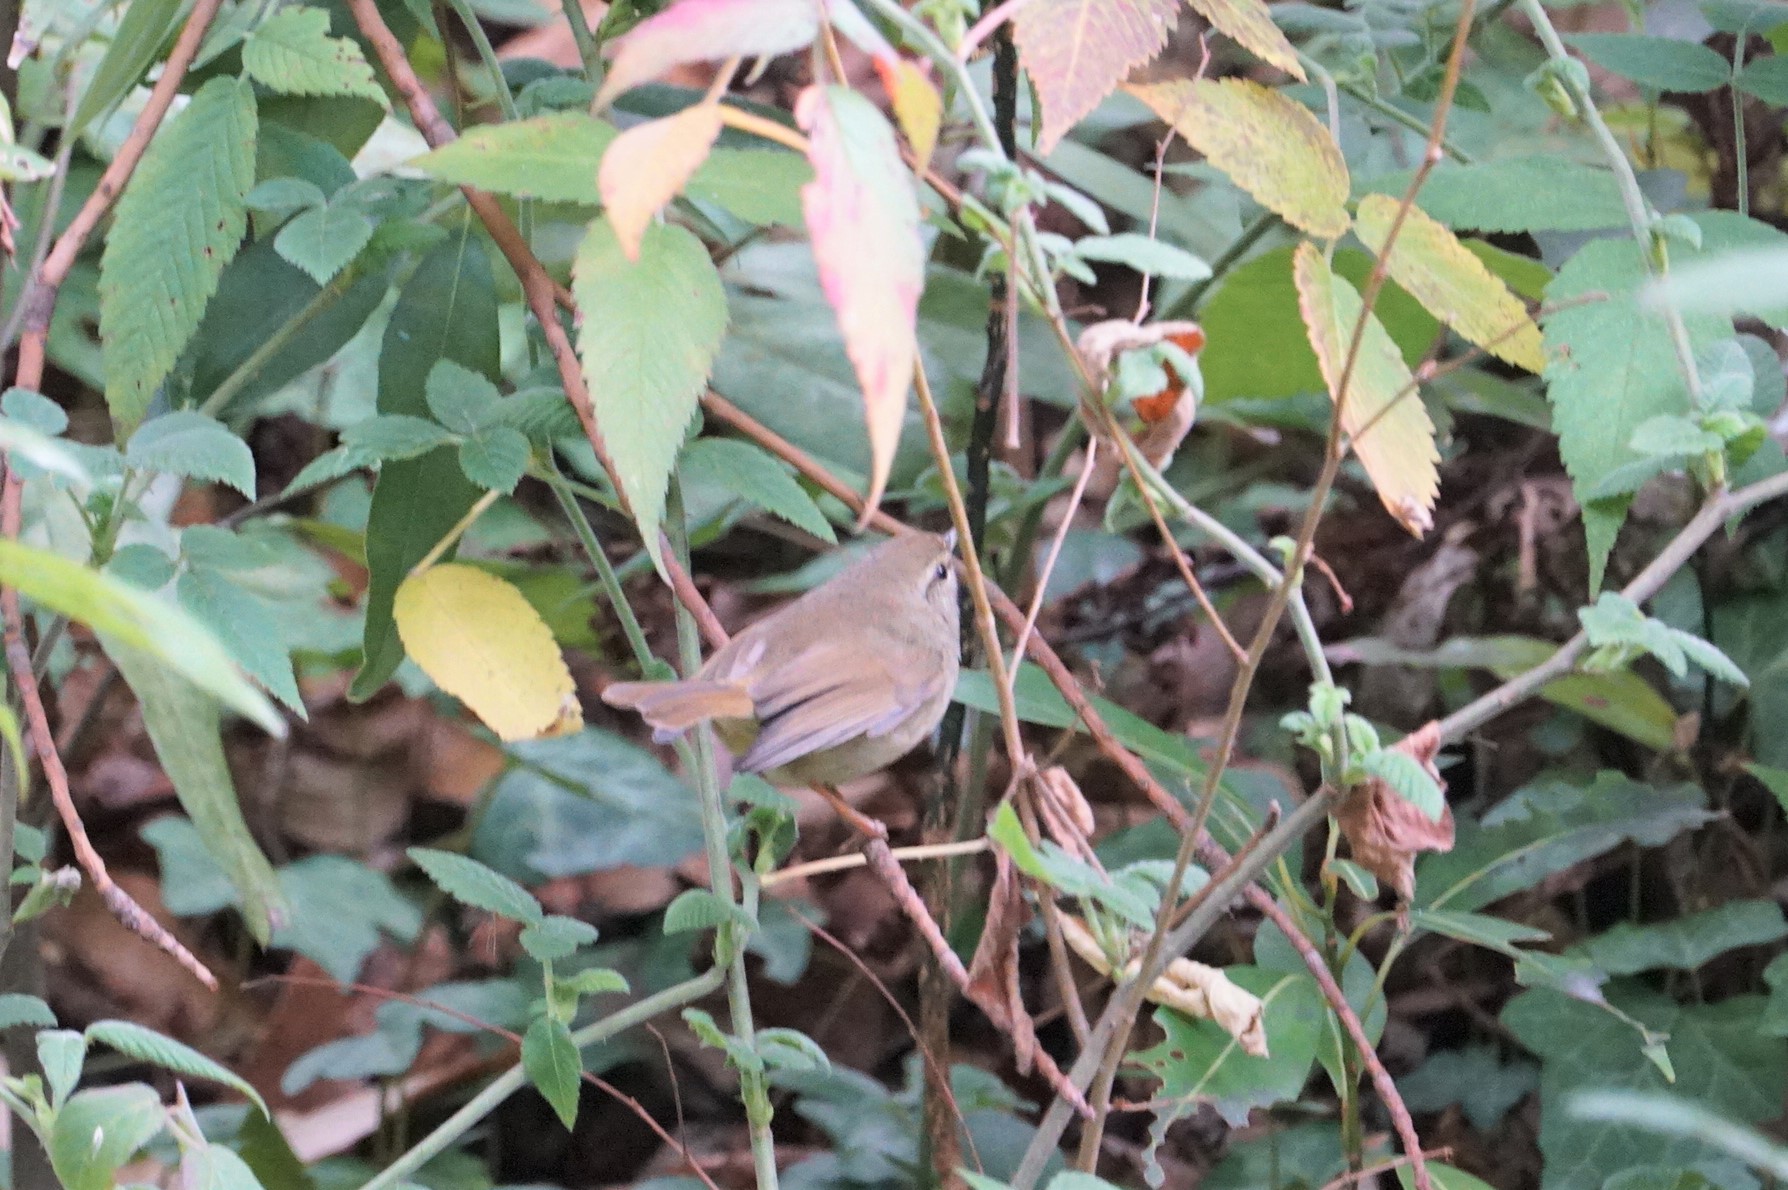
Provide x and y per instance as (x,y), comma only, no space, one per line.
(1448,278)
(1077,51)
(1381,411)
(1269,145)
(482,642)
(1250,25)
(649,164)
(863,220)
(917,105)
(1384,831)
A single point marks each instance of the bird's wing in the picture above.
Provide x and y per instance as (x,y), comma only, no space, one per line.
(824,698)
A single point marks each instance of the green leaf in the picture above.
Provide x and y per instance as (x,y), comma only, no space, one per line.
(754,475)
(339,908)
(141,620)
(324,240)
(1686,942)
(472,883)
(1199,1059)
(555,937)
(139,38)
(1475,1077)
(553,157)
(1516,194)
(184,726)
(552,1064)
(292,52)
(700,909)
(195,446)
(460,399)
(760,186)
(16,1008)
(1719,1058)
(650,330)
(448,310)
(146,1045)
(495,459)
(61,1053)
(1145,255)
(1766,78)
(213,1167)
(1775,780)
(1405,777)
(178,223)
(97,1131)
(392,437)
(790,1049)
(1660,63)
(249,627)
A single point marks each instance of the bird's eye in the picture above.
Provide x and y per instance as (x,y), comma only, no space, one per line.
(942,572)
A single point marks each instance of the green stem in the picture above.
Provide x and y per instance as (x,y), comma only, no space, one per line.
(589,49)
(729,948)
(512,1080)
(257,359)
(605,571)
(1397,115)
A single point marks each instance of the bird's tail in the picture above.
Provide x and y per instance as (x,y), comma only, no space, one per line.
(675,707)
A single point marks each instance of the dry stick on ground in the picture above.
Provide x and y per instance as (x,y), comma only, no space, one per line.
(38,303)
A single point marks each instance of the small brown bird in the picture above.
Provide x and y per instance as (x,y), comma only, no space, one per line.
(843,681)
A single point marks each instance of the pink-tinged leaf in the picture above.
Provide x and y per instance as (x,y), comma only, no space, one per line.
(1381,411)
(1250,25)
(1077,51)
(863,219)
(917,105)
(706,30)
(1440,272)
(649,164)
(1269,145)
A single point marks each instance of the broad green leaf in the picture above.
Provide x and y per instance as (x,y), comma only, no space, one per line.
(1549,826)
(1661,63)
(585,803)
(177,225)
(495,459)
(1076,52)
(760,186)
(701,30)
(553,157)
(214,1167)
(1515,194)
(248,626)
(482,642)
(61,1054)
(555,937)
(700,909)
(755,476)
(448,310)
(647,342)
(472,883)
(146,1045)
(1269,145)
(1456,287)
(1687,942)
(1198,1059)
(1477,1077)
(462,400)
(140,37)
(1719,1058)
(1405,776)
(16,1009)
(340,909)
(551,1061)
(393,437)
(97,1131)
(863,223)
(140,620)
(183,724)
(1442,1177)
(648,165)
(1143,254)
(190,444)
(1249,23)
(1381,412)
(293,52)
(1766,78)
(324,240)
(1610,369)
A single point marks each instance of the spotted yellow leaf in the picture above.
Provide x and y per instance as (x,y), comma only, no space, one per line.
(1269,145)
(1250,25)
(1445,276)
(1380,409)
(481,641)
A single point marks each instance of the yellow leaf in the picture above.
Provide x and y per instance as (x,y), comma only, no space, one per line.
(649,164)
(482,642)
(1381,411)
(1250,25)
(1269,145)
(917,105)
(1445,276)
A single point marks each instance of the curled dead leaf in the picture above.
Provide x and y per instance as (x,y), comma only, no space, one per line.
(1385,831)
(993,972)
(1166,416)
(1189,988)
(1066,815)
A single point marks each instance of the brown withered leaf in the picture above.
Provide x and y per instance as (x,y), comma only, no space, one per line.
(993,972)
(1384,831)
